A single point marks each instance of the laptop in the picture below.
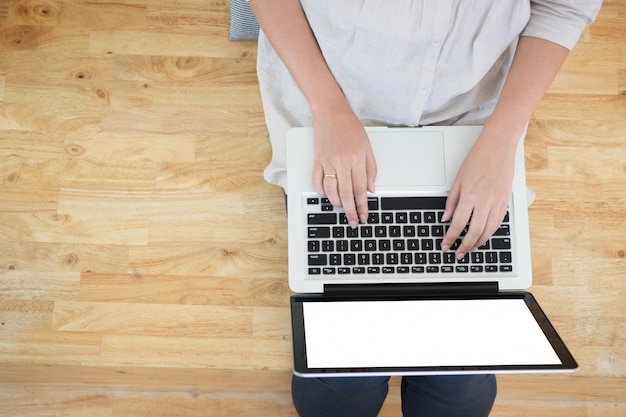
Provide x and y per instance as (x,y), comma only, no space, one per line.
(383,299)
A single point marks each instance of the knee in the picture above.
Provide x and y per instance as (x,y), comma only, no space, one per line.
(339,396)
(466,395)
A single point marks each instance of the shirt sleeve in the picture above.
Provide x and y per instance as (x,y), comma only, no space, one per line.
(561,21)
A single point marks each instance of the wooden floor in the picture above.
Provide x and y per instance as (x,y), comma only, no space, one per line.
(143,260)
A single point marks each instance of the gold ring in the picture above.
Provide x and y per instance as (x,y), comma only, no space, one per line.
(330,175)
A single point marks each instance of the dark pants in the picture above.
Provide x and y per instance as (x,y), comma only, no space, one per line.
(426,396)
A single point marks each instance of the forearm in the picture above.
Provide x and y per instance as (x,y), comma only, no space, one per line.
(482,188)
(535,65)
(286,27)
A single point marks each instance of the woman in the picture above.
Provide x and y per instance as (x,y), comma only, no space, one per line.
(340,65)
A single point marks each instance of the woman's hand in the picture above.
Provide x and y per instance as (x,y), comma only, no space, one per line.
(480,194)
(482,188)
(345,168)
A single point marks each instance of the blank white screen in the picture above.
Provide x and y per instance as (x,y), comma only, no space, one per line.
(423,333)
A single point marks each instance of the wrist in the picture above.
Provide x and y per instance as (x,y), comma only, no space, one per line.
(331,107)
(504,132)
(328,103)
(501,141)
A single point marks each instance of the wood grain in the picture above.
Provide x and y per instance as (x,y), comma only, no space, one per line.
(143,259)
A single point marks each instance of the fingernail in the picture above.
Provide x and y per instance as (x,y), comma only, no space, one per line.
(460,255)
(363,218)
(444,216)
(445,247)
(354,224)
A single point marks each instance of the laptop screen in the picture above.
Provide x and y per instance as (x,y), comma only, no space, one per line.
(413,336)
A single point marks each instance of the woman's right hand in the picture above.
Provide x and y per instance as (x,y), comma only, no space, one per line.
(345,168)
(344,163)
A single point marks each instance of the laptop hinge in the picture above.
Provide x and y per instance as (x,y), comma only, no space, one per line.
(400,289)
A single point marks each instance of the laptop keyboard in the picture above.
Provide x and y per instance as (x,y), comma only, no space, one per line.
(402,236)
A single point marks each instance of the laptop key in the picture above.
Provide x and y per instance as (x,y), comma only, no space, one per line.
(503,230)
(322,218)
(372,203)
(415,217)
(369,245)
(319,232)
(314,245)
(497,243)
(318,260)
(430,217)
(505,258)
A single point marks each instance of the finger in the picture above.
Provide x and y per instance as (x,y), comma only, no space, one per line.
(458,222)
(492,225)
(452,201)
(346,196)
(457,226)
(475,231)
(359,188)
(330,184)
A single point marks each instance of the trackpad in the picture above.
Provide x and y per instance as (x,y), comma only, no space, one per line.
(409,159)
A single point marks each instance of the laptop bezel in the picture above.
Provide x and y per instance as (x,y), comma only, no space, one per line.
(568,363)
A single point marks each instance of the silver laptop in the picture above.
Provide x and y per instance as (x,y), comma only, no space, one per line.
(393,267)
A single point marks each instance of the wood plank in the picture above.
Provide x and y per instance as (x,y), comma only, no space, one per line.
(25,315)
(259,353)
(114,41)
(176,289)
(188,70)
(36,285)
(91,15)
(262,259)
(34,347)
(61,257)
(152,319)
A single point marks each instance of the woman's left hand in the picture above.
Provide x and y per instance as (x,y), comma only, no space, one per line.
(480,194)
